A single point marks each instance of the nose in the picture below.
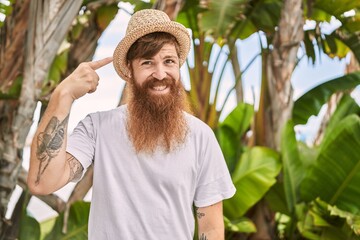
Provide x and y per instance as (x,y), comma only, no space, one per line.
(159,72)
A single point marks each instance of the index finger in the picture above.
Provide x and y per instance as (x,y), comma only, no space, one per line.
(100,63)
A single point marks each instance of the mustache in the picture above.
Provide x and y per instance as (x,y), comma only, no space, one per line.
(151,82)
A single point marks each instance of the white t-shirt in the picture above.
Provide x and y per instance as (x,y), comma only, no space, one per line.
(142,196)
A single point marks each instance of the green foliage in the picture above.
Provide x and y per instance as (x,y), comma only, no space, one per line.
(29,228)
(311,102)
(351,40)
(323,221)
(57,70)
(337,7)
(105,14)
(344,108)
(227,12)
(231,132)
(293,168)
(6,9)
(188,16)
(253,176)
(140,4)
(77,224)
(335,175)
(14,91)
(243,225)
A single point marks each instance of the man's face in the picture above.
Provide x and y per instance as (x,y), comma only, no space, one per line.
(158,73)
(157,101)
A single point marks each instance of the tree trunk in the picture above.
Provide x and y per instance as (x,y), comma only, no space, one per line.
(280,63)
(48,22)
(170,7)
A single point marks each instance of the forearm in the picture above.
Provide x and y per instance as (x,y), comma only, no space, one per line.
(212,233)
(210,222)
(48,170)
(50,166)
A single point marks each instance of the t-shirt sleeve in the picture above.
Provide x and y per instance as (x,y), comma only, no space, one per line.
(214,181)
(81,142)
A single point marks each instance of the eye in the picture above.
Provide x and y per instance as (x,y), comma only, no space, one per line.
(146,63)
(170,61)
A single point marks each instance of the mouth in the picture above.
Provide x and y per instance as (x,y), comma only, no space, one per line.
(160,89)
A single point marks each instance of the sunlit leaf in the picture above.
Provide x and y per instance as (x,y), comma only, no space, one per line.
(253,176)
(335,175)
(243,225)
(231,131)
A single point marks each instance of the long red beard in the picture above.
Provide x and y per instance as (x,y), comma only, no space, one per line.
(157,120)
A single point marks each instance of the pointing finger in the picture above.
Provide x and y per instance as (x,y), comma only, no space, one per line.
(100,63)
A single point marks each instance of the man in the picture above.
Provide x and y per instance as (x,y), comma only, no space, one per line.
(152,160)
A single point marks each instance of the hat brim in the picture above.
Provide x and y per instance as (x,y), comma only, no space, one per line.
(177,30)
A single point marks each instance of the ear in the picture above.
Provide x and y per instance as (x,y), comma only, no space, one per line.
(129,66)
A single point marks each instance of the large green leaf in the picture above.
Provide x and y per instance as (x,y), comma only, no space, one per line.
(76,225)
(293,168)
(276,199)
(253,176)
(311,102)
(231,131)
(335,175)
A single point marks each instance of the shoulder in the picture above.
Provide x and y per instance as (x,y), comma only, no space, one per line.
(197,126)
(116,113)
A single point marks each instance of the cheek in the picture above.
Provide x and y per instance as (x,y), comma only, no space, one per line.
(139,78)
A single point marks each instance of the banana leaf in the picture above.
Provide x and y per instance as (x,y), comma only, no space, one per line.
(254,175)
(231,131)
(293,168)
(77,224)
(335,176)
(311,102)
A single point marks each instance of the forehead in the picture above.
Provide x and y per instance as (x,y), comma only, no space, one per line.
(168,50)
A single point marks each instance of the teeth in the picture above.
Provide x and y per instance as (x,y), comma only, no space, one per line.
(159,88)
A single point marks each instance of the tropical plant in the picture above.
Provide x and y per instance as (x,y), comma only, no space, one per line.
(281,182)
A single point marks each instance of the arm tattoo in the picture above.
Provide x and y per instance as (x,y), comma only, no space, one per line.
(75,168)
(49,143)
(199,214)
(203,237)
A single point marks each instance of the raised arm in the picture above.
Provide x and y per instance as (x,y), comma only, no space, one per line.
(210,222)
(50,166)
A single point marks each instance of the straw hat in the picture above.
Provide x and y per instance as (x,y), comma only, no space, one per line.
(144,22)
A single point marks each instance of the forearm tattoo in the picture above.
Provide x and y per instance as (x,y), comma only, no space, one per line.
(75,168)
(49,143)
(199,214)
(203,237)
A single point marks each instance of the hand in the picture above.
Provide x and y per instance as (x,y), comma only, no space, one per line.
(84,79)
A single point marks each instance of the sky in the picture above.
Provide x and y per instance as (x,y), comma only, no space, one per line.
(107,95)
